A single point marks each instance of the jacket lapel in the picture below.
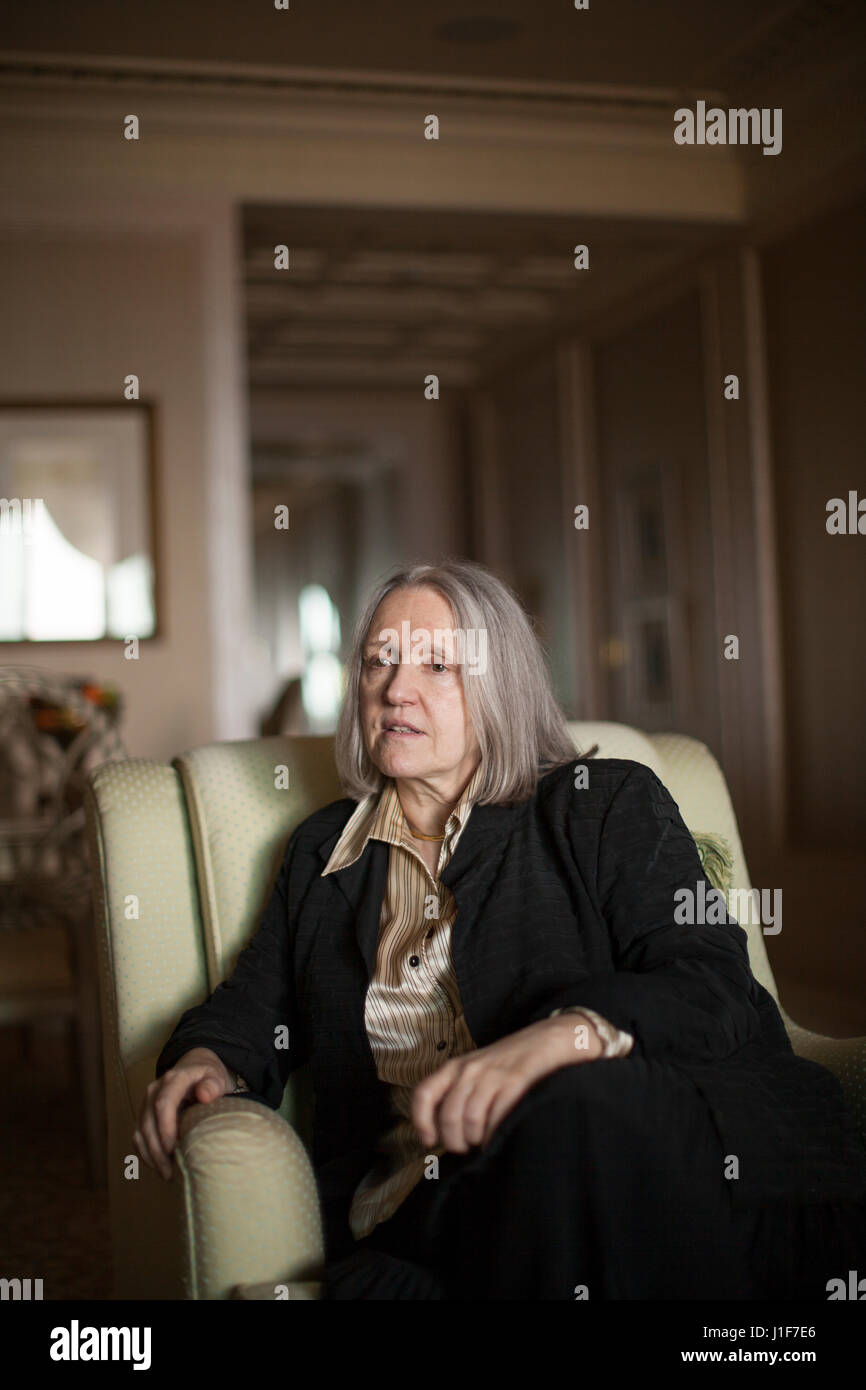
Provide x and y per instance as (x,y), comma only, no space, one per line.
(470,875)
(361,885)
(472,869)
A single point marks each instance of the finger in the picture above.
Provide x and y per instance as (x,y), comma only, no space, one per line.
(477,1107)
(159,1159)
(163,1110)
(185,1086)
(147,1102)
(167,1105)
(208,1089)
(138,1139)
(450,1116)
(503,1103)
(425,1099)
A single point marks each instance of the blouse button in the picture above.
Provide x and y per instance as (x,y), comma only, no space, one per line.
(414,960)
(439,1046)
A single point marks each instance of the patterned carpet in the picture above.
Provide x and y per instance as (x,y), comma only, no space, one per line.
(53,1226)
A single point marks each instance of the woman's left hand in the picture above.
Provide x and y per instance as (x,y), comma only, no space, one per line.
(461,1103)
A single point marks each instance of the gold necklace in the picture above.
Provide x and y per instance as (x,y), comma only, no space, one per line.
(417,833)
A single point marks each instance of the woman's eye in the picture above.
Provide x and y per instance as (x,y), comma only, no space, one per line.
(378,663)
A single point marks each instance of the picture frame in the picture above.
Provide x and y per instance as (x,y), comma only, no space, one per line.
(79,559)
(656,666)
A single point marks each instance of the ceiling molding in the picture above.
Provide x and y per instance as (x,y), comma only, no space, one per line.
(39,71)
(356,138)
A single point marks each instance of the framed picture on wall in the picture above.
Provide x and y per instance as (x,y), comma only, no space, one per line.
(78,550)
(644,510)
(657,666)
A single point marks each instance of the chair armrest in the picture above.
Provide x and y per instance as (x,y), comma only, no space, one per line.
(298,1292)
(844,1057)
(250,1197)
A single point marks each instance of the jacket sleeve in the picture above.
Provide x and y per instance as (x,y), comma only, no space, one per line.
(246,1019)
(680,988)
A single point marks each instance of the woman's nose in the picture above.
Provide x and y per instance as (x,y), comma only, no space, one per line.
(402,683)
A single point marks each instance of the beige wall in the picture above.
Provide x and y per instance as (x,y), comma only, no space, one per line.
(78,316)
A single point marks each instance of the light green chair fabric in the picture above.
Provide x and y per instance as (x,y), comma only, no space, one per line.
(185,857)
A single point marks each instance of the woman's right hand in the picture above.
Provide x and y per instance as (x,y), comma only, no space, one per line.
(199,1076)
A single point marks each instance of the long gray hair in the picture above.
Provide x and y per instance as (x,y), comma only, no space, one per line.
(521,731)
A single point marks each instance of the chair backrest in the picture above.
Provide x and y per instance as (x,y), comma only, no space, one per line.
(696,782)
(243,800)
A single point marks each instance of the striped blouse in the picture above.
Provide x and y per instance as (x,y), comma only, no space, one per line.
(413,1014)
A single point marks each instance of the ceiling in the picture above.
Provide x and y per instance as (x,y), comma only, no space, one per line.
(384,297)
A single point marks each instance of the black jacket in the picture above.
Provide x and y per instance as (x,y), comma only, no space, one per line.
(566,898)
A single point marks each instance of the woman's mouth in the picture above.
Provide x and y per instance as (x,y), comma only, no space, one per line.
(402,731)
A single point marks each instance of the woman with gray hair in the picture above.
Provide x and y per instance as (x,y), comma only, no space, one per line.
(532,1081)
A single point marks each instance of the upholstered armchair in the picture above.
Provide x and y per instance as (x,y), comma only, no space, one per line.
(184,858)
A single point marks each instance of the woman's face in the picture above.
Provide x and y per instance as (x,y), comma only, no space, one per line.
(426,695)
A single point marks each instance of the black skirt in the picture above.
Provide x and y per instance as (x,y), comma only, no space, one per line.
(607,1181)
